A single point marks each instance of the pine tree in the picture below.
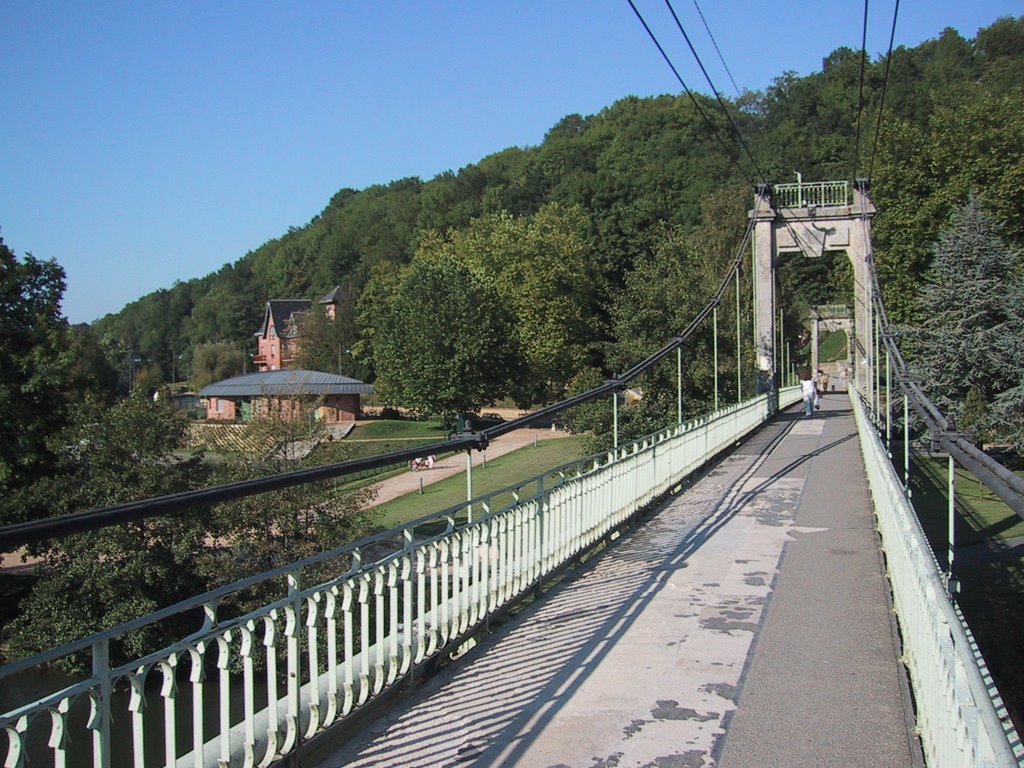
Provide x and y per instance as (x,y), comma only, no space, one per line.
(973,329)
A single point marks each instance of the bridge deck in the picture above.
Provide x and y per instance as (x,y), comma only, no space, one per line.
(745,623)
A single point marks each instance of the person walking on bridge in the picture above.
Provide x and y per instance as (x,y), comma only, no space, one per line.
(809,387)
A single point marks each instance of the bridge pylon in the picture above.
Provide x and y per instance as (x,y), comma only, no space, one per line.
(812,218)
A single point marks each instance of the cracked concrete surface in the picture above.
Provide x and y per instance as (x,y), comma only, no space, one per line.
(643,658)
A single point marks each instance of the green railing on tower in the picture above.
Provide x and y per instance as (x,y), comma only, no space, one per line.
(808,194)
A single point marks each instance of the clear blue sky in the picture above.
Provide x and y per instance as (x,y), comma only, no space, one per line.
(148,142)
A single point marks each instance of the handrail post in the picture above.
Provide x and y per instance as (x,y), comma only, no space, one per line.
(739,344)
(469,485)
(888,401)
(679,384)
(906,445)
(714,332)
(615,419)
(100,718)
(951,585)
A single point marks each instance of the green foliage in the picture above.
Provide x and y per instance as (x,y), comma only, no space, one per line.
(833,346)
(444,343)
(130,451)
(215,362)
(594,417)
(92,581)
(326,344)
(973,318)
(663,293)
(36,369)
(541,269)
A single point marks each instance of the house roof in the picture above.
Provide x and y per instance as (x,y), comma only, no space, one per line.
(292,381)
(333,296)
(281,310)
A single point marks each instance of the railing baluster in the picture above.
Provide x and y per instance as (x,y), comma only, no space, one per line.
(437,611)
(348,682)
(224,694)
(421,603)
(196,676)
(270,638)
(313,654)
(245,651)
(331,620)
(393,623)
(405,662)
(59,733)
(446,583)
(169,696)
(137,705)
(16,743)
(99,700)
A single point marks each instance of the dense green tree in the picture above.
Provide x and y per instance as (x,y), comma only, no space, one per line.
(36,369)
(967,347)
(230,311)
(216,362)
(92,581)
(444,344)
(664,292)
(327,344)
(542,269)
(926,176)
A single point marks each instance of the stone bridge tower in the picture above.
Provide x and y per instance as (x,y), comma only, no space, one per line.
(812,218)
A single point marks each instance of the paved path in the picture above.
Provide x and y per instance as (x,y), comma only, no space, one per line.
(745,623)
(409,482)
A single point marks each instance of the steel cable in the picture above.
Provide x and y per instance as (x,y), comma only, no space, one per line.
(689,93)
(860,92)
(885,84)
(725,110)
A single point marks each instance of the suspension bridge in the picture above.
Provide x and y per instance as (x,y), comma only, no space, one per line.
(744,587)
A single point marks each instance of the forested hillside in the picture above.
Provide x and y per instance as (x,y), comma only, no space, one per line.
(631,180)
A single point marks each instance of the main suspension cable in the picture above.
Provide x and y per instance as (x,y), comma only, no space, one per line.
(721,58)
(689,93)
(725,110)
(885,84)
(860,92)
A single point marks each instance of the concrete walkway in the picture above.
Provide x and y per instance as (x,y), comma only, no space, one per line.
(745,623)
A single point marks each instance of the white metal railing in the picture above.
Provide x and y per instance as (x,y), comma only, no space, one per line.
(247,690)
(815,193)
(960,716)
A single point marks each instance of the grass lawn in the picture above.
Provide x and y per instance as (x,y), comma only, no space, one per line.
(991,593)
(502,472)
(394,429)
(832,346)
(982,516)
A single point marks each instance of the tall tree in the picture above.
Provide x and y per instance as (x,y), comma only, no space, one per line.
(36,361)
(92,581)
(444,344)
(968,344)
(542,269)
(215,362)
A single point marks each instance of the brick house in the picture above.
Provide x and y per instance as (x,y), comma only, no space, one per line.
(277,340)
(287,394)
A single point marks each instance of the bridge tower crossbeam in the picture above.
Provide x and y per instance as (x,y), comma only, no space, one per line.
(812,219)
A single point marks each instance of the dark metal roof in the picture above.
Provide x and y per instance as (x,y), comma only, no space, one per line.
(333,296)
(290,381)
(282,310)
